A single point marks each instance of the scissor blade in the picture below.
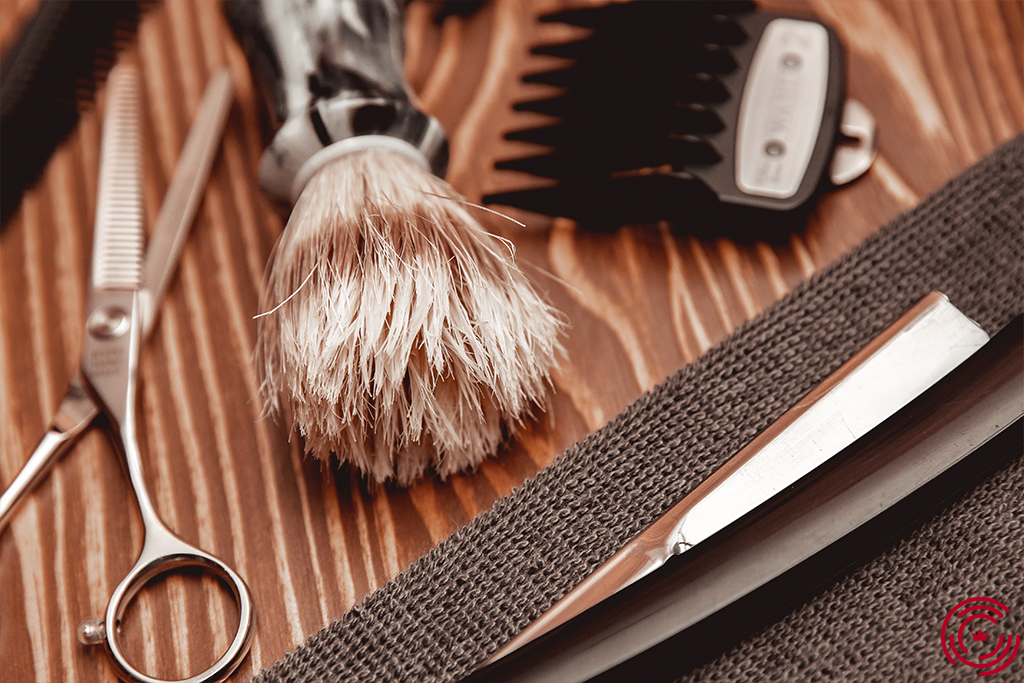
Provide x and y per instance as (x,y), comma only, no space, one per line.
(78,408)
(185,191)
(110,346)
(118,235)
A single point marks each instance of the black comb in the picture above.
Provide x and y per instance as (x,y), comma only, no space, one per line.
(48,75)
(711,115)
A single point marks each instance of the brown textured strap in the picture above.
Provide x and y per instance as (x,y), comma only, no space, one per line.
(459,603)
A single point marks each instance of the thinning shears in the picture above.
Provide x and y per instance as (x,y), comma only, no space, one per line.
(125,289)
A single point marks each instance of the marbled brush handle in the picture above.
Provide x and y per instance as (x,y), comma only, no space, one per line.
(331,71)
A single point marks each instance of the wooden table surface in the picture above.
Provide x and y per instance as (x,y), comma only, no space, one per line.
(944,80)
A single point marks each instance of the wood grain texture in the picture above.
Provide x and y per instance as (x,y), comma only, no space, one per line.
(944,79)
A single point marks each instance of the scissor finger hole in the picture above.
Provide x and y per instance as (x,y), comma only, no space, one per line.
(179,623)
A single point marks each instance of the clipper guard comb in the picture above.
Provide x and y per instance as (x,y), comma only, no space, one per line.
(711,115)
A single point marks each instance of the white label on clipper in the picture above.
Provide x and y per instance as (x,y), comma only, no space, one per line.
(781,109)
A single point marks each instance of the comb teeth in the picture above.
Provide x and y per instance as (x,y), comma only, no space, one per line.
(708,18)
(118,238)
(647,92)
(48,74)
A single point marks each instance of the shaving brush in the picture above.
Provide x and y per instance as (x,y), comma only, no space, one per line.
(395,331)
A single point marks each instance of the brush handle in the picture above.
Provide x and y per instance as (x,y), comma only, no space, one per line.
(331,72)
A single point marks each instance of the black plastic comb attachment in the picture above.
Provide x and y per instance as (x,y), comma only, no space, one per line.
(707,21)
(649,116)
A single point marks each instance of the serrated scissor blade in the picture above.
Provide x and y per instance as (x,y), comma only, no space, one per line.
(78,408)
(113,325)
(118,236)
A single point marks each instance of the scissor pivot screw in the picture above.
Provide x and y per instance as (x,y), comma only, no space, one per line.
(108,322)
(92,632)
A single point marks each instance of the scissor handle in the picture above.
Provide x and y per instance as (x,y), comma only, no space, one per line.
(164,553)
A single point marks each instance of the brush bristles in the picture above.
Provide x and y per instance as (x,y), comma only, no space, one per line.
(411,338)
